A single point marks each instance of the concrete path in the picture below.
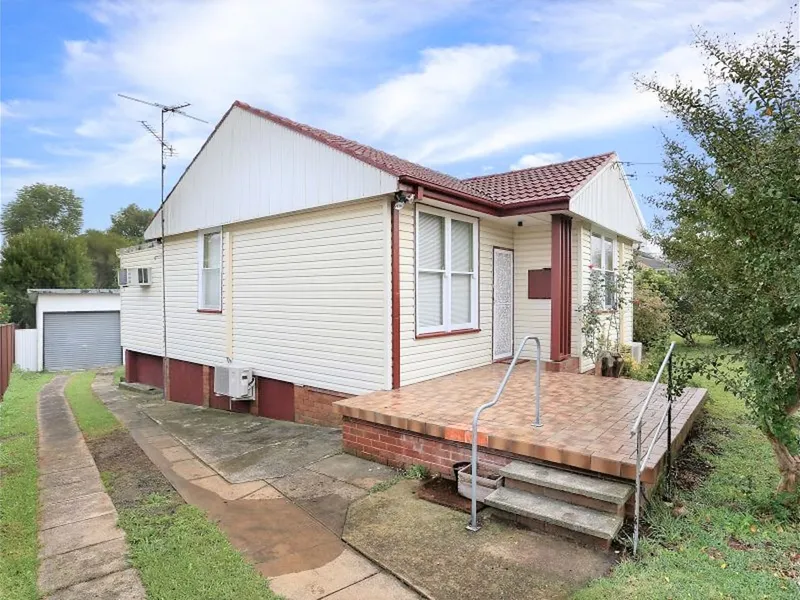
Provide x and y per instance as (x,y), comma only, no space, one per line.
(284,514)
(82,552)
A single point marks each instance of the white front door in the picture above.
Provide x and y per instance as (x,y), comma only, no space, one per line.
(503,304)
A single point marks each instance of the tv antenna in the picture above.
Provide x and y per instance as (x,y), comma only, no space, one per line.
(166,151)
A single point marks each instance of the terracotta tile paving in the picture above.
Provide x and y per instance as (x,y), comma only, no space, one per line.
(586,419)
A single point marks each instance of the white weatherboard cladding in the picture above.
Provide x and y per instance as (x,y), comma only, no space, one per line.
(141,314)
(426,358)
(609,201)
(253,168)
(531,317)
(311,297)
(192,336)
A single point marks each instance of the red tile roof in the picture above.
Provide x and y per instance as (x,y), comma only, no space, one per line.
(532,186)
(559,180)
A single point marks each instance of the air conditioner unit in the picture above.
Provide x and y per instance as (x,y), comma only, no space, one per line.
(143,276)
(123,276)
(234,382)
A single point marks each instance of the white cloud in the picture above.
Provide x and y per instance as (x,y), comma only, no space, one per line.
(19,163)
(445,80)
(42,131)
(538,159)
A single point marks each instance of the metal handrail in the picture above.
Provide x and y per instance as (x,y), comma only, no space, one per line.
(473,526)
(636,429)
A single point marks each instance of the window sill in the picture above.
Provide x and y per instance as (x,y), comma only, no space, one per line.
(211,311)
(437,334)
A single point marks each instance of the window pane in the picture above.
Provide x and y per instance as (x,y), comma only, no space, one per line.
(610,277)
(597,252)
(461,246)
(211,254)
(429,299)
(461,300)
(431,241)
(211,288)
(608,247)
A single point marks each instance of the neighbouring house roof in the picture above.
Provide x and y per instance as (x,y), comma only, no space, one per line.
(538,184)
(559,180)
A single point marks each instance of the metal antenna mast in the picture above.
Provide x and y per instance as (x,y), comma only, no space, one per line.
(166,151)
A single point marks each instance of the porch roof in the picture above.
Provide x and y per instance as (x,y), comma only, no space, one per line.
(586,419)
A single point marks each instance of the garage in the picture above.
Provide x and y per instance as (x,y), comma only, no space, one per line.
(81,340)
(77,329)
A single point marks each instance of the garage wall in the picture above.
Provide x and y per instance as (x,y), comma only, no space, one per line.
(87,302)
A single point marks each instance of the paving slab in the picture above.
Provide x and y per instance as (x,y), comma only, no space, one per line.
(63,512)
(122,585)
(266,493)
(380,585)
(243,447)
(66,464)
(192,469)
(82,475)
(59,493)
(78,535)
(176,453)
(345,570)
(326,498)
(64,570)
(355,471)
(228,491)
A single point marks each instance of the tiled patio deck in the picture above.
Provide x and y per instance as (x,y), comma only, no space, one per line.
(586,419)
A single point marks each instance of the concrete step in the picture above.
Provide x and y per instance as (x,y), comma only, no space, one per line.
(611,492)
(585,525)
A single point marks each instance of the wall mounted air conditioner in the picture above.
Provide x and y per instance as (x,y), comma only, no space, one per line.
(235,382)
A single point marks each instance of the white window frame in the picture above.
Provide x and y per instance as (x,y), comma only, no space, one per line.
(447,326)
(200,279)
(603,267)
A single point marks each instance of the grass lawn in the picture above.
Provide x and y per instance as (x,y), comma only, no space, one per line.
(180,554)
(19,494)
(93,417)
(726,534)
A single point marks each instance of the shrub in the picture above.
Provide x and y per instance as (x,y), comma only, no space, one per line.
(651,322)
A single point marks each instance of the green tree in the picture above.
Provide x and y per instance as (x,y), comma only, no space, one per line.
(101,248)
(676,294)
(651,319)
(40,258)
(42,205)
(5,310)
(732,227)
(131,221)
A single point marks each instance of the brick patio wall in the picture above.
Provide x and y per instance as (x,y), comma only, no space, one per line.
(400,449)
(315,407)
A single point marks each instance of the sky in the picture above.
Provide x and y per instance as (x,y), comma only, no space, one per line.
(467,87)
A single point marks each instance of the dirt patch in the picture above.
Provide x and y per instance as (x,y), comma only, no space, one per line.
(430,546)
(127,472)
(691,467)
(445,492)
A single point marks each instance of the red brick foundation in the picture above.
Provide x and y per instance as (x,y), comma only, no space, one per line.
(143,368)
(568,365)
(315,407)
(192,383)
(400,449)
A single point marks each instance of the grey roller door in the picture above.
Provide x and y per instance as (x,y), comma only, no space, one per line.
(81,340)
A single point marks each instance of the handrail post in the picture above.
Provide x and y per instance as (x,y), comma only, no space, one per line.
(669,428)
(638,489)
(473,524)
(538,421)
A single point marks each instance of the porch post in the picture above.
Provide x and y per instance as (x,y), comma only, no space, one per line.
(561,288)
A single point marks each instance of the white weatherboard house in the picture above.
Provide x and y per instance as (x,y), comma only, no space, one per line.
(332,269)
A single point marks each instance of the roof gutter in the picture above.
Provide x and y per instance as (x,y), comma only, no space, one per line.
(495,207)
